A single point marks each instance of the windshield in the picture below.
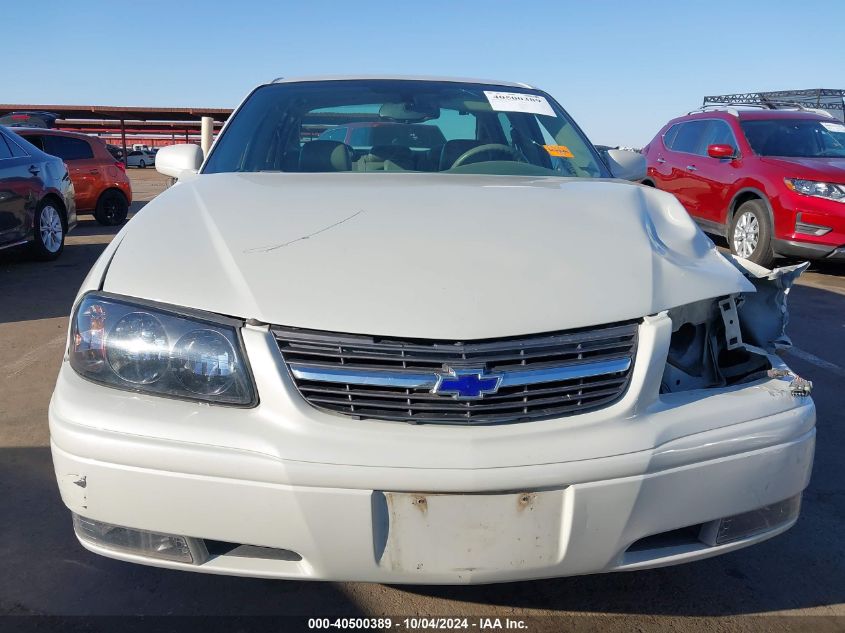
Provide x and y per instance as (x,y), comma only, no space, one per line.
(799,138)
(402,126)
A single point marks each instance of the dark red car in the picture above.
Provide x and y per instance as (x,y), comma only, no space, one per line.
(771,182)
(100,181)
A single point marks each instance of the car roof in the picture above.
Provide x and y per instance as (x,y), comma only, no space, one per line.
(461,80)
(781,114)
(756,114)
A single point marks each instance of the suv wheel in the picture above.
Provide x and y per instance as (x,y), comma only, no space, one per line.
(111,208)
(49,232)
(751,233)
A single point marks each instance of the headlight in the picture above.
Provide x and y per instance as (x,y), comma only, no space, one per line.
(829,190)
(139,347)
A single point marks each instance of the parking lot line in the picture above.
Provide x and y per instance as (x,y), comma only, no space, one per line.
(818,362)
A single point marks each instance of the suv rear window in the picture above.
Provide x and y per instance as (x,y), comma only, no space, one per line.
(67,148)
(35,139)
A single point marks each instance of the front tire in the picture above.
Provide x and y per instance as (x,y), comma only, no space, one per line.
(142,165)
(49,227)
(750,234)
(112,208)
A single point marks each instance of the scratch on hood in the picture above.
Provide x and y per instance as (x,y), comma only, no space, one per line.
(273,247)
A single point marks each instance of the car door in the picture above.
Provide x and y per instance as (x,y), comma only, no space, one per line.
(681,159)
(660,169)
(19,189)
(83,168)
(714,178)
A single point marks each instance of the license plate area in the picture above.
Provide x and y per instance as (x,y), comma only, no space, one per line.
(440,533)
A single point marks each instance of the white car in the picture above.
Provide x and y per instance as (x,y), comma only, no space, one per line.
(140,158)
(479,362)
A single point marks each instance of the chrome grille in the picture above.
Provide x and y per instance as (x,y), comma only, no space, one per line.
(541,376)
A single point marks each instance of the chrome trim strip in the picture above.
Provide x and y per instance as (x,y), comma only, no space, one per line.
(411,380)
(564,372)
(363,377)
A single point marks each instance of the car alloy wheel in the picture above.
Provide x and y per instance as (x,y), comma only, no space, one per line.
(746,235)
(50,225)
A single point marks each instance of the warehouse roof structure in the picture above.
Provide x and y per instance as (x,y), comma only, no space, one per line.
(173,124)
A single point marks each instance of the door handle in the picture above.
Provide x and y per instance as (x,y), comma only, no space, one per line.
(93,171)
(34,170)
(692,168)
(661,160)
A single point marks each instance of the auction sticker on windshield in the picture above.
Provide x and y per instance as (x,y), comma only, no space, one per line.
(561,151)
(519,102)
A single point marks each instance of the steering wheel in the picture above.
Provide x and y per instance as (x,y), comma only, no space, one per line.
(491,148)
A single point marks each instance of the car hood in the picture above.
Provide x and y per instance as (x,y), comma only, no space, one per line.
(419,255)
(811,168)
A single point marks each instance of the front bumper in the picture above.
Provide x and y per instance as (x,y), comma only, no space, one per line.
(814,211)
(804,250)
(348,533)
(341,499)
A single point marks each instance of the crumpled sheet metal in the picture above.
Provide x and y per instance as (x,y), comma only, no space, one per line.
(764,314)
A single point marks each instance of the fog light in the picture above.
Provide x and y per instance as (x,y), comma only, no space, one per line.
(139,542)
(810,229)
(740,526)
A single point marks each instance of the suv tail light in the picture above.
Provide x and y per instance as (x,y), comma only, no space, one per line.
(119,163)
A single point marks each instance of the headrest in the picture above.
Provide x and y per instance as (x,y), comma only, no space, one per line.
(453,149)
(402,156)
(325,156)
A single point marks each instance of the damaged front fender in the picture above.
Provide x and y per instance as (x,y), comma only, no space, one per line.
(764,314)
(729,340)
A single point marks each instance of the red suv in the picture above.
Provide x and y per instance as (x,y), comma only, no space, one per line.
(101,184)
(771,182)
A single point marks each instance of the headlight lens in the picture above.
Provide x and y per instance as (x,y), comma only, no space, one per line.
(206,362)
(828,190)
(138,350)
(132,346)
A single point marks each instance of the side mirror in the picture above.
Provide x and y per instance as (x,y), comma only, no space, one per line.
(178,161)
(625,164)
(721,151)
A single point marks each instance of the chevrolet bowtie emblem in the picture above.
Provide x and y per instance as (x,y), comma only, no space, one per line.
(467,384)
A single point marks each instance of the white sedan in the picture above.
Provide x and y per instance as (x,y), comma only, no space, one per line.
(140,158)
(488,360)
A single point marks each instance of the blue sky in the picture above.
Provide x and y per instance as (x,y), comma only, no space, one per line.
(620,68)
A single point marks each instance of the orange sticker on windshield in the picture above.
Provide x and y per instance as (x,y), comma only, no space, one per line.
(559,150)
